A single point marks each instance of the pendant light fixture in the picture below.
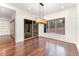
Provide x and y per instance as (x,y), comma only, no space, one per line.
(41,19)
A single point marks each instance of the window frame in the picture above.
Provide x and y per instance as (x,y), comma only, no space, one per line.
(55,20)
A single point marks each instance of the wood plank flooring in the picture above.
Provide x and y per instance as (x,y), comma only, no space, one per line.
(5,40)
(39,47)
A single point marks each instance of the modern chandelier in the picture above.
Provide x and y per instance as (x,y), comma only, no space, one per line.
(41,19)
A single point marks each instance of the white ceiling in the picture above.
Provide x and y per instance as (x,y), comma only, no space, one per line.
(48,7)
(33,8)
(6,13)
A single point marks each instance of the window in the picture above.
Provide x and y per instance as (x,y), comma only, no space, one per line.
(51,26)
(55,26)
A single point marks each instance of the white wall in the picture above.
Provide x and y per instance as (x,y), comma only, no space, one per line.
(4,27)
(20,15)
(19,22)
(70,26)
(77,29)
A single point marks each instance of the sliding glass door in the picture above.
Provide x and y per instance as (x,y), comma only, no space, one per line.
(27,28)
(30,28)
(35,29)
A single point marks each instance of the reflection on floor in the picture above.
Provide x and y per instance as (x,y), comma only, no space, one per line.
(5,40)
(40,47)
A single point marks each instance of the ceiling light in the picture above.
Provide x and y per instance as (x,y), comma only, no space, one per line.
(41,19)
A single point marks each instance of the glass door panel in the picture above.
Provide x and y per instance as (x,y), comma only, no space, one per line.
(35,29)
(28,28)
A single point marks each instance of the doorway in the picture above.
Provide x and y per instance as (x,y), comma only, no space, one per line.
(7,26)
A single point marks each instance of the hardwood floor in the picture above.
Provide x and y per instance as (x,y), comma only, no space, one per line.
(39,47)
(5,40)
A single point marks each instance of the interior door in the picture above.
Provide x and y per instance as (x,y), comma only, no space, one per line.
(12,28)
